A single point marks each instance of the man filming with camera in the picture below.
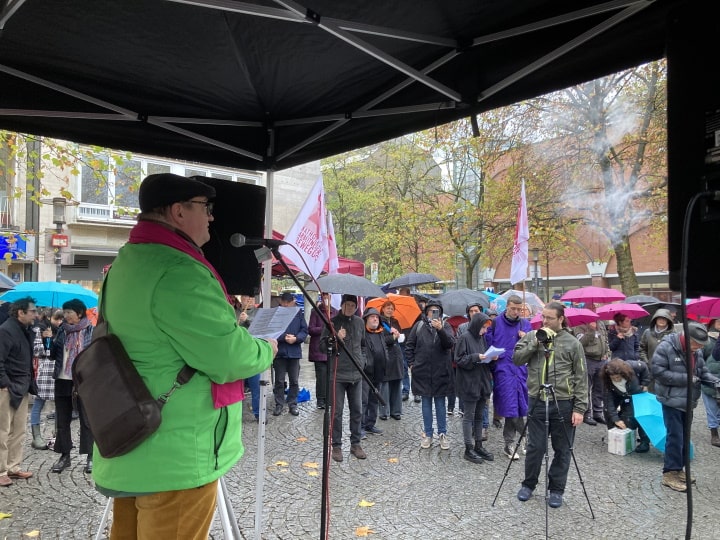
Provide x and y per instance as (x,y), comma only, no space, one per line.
(556,374)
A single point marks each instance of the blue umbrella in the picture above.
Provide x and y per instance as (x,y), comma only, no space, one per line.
(51,293)
(648,413)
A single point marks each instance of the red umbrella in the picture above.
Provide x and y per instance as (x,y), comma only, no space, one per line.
(706,306)
(633,311)
(593,295)
(573,316)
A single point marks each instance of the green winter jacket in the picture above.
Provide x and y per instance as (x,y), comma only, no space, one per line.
(565,368)
(168,309)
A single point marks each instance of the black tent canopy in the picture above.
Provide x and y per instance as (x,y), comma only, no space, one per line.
(271,84)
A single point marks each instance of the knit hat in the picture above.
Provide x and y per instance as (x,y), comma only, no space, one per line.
(349,298)
(159,190)
(287,296)
(698,332)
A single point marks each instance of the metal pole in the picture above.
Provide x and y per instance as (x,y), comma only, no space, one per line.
(58,257)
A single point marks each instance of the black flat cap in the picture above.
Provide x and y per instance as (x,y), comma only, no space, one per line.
(158,190)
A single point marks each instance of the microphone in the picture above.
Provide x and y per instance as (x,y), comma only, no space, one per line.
(239,240)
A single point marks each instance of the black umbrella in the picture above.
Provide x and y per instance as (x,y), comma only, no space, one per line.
(641,299)
(455,302)
(412,279)
(6,283)
(347,284)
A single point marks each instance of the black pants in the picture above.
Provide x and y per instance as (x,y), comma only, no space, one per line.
(562,434)
(63,419)
(320,381)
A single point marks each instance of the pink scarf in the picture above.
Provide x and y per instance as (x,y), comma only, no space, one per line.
(155,232)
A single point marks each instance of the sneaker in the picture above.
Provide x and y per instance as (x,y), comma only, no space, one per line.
(484,434)
(444,442)
(363,435)
(524,494)
(374,430)
(320,404)
(674,481)
(510,454)
(555,499)
(450,412)
(523,446)
(357,451)
(426,442)
(337,454)
(416,399)
(461,414)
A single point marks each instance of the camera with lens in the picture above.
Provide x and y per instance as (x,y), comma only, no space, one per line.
(545,335)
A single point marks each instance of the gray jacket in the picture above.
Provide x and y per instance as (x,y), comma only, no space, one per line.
(354,343)
(669,370)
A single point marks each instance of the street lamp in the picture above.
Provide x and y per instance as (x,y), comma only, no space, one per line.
(536,270)
(59,240)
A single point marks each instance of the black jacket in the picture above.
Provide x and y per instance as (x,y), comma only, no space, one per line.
(429,354)
(619,405)
(16,369)
(473,379)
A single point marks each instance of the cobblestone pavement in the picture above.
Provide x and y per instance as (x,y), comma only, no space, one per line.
(429,494)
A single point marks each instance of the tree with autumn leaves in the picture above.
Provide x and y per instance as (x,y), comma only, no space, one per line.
(593,157)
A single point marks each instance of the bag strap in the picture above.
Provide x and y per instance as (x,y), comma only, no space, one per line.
(183,376)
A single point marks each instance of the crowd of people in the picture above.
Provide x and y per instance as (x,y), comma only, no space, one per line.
(170,309)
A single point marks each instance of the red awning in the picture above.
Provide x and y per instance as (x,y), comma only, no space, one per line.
(345,266)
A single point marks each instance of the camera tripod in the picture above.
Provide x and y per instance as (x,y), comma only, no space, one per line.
(548,391)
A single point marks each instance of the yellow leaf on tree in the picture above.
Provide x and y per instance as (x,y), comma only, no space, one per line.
(393,460)
(281,463)
(365,504)
(310,465)
(33,534)
(363,531)
(3,515)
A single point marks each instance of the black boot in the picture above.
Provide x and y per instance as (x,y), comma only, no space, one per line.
(471,455)
(61,464)
(88,464)
(480,451)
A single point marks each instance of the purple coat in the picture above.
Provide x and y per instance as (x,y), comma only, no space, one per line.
(315,328)
(510,393)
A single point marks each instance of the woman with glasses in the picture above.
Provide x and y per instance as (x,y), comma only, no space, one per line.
(73,336)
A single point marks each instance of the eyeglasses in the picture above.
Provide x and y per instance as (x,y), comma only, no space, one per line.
(208,206)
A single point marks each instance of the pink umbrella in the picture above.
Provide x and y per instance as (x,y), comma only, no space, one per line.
(593,295)
(633,311)
(706,306)
(574,317)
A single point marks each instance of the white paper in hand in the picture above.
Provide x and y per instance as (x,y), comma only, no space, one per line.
(272,323)
(491,353)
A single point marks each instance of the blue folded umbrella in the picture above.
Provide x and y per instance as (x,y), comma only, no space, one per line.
(648,413)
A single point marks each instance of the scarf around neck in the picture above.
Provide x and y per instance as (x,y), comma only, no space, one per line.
(74,341)
(149,231)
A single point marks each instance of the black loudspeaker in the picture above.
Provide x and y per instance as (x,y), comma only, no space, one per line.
(238,208)
(693,91)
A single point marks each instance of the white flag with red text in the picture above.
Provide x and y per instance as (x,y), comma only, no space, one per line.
(332,263)
(519,266)
(309,234)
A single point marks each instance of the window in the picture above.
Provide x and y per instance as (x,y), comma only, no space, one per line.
(94,187)
(127,182)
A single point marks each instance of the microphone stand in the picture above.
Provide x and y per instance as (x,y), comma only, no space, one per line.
(330,404)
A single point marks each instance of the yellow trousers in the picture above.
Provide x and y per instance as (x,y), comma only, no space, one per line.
(183,515)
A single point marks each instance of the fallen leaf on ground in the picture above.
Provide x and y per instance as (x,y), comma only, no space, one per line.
(393,460)
(281,463)
(310,465)
(365,504)
(363,531)
(33,534)
(3,515)
(312,473)
(301,439)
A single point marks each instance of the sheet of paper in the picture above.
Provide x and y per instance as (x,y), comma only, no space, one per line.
(491,353)
(272,323)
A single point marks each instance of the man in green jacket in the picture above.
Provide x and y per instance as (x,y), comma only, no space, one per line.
(168,306)
(555,365)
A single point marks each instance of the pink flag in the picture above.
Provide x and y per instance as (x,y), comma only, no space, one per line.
(309,234)
(519,266)
(332,263)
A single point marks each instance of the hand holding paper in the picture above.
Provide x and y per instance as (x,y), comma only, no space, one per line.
(492,354)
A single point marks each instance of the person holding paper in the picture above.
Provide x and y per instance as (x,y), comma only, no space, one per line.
(473,381)
(287,359)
